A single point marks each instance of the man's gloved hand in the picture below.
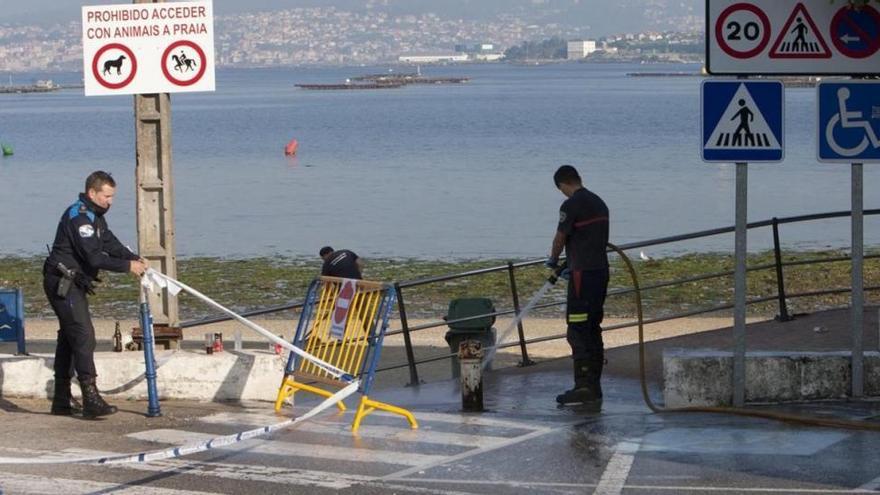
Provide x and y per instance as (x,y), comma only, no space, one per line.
(552,263)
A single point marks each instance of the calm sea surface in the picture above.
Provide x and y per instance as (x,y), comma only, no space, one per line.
(459,171)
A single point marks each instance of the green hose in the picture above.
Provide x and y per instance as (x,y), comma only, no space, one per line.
(788,418)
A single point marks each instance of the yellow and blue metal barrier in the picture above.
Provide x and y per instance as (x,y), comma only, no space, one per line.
(343,323)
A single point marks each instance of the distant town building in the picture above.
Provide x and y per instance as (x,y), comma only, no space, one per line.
(578,49)
(488,57)
(432,58)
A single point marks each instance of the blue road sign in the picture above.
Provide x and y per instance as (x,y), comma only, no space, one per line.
(742,121)
(849,122)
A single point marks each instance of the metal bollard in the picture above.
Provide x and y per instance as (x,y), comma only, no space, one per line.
(153,408)
(470,358)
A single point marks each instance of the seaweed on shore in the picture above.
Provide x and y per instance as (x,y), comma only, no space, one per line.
(245,284)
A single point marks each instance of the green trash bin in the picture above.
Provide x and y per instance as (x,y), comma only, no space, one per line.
(477,329)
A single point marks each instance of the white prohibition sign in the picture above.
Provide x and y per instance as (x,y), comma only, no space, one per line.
(742,30)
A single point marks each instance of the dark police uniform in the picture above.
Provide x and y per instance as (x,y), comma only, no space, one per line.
(342,264)
(583,218)
(84,244)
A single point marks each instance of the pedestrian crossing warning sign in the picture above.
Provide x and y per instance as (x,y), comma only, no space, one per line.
(742,121)
(800,38)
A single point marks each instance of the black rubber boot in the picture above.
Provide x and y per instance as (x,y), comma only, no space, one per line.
(93,403)
(62,401)
(586,385)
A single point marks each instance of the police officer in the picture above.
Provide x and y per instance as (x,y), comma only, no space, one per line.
(342,263)
(583,233)
(83,246)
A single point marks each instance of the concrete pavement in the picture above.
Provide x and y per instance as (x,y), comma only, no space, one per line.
(523,444)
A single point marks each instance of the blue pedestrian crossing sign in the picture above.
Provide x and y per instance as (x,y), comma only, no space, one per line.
(742,121)
(849,122)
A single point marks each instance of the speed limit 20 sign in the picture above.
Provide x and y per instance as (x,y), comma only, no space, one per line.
(791,37)
(743,31)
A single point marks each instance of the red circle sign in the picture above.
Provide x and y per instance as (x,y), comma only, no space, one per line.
(856,32)
(110,65)
(200,70)
(747,33)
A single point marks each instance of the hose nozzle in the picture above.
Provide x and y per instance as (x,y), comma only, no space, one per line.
(557,272)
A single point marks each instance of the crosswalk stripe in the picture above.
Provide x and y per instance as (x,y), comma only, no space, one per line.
(26,484)
(211,469)
(284,448)
(440,417)
(402,434)
(470,420)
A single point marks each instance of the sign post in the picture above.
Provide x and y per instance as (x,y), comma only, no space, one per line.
(813,37)
(149,49)
(848,132)
(742,122)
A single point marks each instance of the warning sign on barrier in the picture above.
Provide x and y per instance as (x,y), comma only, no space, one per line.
(812,37)
(148,48)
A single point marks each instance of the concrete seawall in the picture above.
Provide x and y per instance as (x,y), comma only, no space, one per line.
(703,377)
(245,375)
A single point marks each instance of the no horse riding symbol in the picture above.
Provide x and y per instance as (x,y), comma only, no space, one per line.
(183,63)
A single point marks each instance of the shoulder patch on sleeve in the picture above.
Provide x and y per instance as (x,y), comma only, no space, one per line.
(562,216)
(86,231)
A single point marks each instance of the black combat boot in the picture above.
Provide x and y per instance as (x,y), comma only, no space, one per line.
(586,385)
(93,404)
(62,402)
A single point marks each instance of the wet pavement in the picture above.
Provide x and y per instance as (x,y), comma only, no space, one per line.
(522,444)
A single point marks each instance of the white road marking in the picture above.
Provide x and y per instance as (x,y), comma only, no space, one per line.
(179,437)
(416,489)
(873,485)
(473,420)
(688,488)
(401,434)
(617,470)
(400,475)
(238,472)
(26,484)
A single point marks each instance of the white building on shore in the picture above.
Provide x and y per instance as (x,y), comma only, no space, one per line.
(578,49)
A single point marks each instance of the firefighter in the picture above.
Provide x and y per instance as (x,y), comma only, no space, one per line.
(583,233)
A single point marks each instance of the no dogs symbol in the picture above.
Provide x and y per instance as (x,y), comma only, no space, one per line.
(114,66)
(183,63)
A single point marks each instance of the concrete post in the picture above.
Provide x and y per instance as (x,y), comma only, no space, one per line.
(155,194)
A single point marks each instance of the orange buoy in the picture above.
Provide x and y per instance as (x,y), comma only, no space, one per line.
(291,147)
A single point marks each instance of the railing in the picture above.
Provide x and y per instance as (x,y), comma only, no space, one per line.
(511,268)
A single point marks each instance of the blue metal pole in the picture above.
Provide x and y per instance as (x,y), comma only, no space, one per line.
(19,302)
(153,409)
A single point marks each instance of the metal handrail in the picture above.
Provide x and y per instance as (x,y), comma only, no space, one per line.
(778,264)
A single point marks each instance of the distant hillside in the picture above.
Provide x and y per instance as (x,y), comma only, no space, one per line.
(602,16)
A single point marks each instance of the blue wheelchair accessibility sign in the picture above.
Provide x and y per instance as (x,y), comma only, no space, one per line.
(742,121)
(849,122)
